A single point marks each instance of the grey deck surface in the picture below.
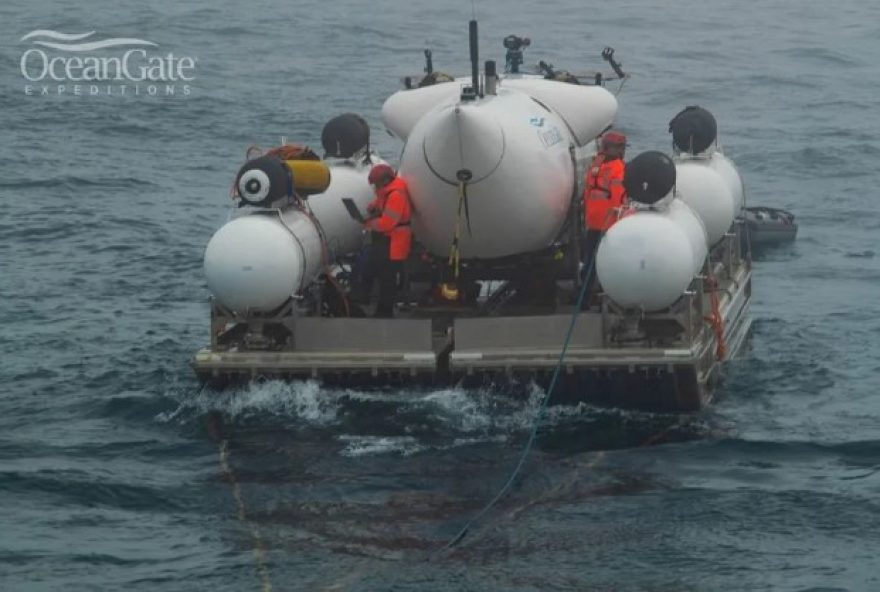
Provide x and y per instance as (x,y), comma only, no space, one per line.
(363,335)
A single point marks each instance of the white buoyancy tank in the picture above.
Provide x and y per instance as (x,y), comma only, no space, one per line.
(688,221)
(520,176)
(645,261)
(254,263)
(706,192)
(728,171)
(403,110)
(586,110)
(348,180)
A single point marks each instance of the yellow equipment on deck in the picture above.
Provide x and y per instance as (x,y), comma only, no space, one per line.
(309,176)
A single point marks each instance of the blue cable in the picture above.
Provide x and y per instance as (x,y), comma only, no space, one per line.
(531,441)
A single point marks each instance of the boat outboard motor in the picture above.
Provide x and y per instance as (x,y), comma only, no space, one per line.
(693,130)
(345,135)
(649,177)
(263,181)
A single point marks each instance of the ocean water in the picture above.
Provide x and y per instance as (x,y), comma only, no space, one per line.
(118,473)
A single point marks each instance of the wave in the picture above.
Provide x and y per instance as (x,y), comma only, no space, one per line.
(78,487)
(457,409)
(368,445)
(819,55)
(299,401)
(72,181)
(408,422)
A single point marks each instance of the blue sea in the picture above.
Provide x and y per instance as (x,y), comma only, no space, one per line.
(118,473)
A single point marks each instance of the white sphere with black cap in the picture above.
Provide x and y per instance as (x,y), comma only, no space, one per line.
(703,189)
(728,171)
(645,261)
(694,229)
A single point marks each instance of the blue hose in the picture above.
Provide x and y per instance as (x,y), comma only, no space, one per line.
(543,406)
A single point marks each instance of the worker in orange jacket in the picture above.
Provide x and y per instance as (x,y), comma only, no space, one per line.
(604,195)
(392,236)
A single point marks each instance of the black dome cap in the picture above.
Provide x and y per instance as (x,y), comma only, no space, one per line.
(649,177)
(345,135)
(693,130)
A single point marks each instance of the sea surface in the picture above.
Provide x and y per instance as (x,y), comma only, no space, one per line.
(118,473)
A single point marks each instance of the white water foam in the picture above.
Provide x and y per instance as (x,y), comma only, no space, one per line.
(371,445)
(466,416)
(302,400)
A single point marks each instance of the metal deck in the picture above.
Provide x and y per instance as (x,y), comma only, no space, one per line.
(659,361)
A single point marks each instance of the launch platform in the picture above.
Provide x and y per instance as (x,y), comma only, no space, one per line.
(662,361)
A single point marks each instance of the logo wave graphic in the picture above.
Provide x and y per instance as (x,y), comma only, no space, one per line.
(57,35)
(63,41)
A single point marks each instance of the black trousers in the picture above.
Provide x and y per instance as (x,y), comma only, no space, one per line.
(369,266)
(588,257)
(389,279)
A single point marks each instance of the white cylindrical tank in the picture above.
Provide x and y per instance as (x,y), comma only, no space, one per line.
(688,221)
(728,171)
(515,154)
(645,260)
(348,179)
(587,110)
(256,262)
(706,192)
(403,110)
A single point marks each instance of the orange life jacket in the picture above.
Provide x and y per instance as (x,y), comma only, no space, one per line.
(393,201)
(604,192)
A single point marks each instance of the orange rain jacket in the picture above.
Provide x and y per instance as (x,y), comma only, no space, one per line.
(604,192)
(396,210)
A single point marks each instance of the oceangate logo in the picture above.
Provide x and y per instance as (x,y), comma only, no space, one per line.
(75,64)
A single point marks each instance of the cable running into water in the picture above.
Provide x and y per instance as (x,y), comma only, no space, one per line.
(540,413)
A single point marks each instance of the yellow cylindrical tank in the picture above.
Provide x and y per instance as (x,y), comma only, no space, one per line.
(309,176)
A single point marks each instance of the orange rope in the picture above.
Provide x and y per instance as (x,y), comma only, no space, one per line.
(715,318)
(293,152)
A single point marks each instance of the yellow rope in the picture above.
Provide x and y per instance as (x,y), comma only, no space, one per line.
(259,550)
(455,251)
(450,289)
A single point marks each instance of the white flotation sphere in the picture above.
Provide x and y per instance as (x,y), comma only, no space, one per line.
(728,171)
(253,264)
(348,180)
(645,260)
(704,190)
(688,221)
